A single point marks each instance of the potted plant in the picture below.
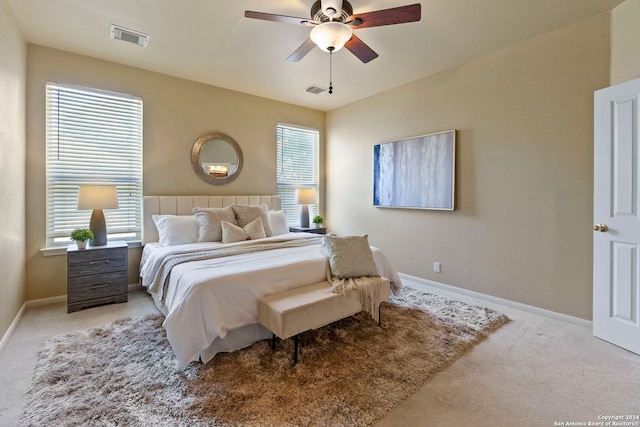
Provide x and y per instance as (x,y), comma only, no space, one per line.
(317,221)
(80,236)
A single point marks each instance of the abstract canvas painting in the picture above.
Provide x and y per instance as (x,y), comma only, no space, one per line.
(417,173)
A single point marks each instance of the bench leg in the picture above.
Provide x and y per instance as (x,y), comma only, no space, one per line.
(379,317)
(295,347)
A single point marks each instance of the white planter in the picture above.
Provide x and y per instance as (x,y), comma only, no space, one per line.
(82,244)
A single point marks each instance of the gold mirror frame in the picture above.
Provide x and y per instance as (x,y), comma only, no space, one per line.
(197,164)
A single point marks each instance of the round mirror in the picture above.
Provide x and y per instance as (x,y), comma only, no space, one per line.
(216,158)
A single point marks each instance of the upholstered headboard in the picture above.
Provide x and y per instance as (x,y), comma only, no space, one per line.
(183,205)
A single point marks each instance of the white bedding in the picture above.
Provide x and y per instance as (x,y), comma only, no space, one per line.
(209,300)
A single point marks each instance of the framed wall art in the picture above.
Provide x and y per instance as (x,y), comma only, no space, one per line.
(416,173)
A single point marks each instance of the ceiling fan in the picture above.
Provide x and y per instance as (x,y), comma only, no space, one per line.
(334,21)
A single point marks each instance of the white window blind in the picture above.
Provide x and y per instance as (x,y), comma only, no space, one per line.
(93,137)
(298,167)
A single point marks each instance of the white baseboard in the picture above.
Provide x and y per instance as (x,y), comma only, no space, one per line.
(495,300)
(30,303)
(133,287)
(46,301)
(63,298)
(12,328)
(39,302)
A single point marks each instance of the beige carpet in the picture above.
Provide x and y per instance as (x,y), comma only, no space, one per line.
(350,373)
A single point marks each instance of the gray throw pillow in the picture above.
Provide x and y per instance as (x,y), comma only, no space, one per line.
(349,256)
(247,213)
(210,222)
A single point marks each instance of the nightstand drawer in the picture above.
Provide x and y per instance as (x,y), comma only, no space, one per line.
(97,286)
(82,263)
(314,230)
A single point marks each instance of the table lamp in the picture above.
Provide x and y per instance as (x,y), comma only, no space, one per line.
(304,197)
(97,197)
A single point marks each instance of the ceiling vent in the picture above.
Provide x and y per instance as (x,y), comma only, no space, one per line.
(315,89)
(135,37)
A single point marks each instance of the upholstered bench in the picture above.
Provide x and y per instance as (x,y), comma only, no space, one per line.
(292,312)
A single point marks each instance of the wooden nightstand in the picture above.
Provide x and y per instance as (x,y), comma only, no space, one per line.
(314,230)
(96,275)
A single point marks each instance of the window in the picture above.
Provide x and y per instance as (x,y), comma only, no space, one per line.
(93,137)
(298,166)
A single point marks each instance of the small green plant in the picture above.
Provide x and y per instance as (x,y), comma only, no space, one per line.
(81,234)
(318,219)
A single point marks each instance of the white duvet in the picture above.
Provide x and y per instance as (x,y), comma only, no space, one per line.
(206,300)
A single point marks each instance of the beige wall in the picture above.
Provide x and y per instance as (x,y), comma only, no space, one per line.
(522,225)
(13,60)
(625,42)
(176,112)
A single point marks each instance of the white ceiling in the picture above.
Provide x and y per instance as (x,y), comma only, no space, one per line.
(210,41)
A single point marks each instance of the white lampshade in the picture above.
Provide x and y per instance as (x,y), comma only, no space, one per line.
(331,35)
(97,197)
(306,196)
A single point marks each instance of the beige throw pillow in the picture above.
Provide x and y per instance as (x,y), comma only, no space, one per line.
(209,222)
(349,256)
(247,213)
(232,233)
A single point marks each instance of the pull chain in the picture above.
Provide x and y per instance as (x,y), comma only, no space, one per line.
(330,70)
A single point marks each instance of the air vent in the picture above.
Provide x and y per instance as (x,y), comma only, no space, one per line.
(315,89)
(124,34)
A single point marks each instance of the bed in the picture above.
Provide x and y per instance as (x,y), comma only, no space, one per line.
(208,290)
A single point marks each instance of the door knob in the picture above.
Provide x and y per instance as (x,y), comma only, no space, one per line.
(600,227)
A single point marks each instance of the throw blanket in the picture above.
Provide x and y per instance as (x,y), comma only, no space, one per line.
(368,288)
(160,280)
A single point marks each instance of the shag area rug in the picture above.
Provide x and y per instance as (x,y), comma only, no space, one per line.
(350,373)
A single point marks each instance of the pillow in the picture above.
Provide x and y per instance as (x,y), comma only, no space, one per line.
(232,233)
(209,219)
(176,229)
(349,256)
(247,213)
(278,222)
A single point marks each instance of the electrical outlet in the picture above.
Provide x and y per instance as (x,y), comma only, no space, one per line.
(436,267)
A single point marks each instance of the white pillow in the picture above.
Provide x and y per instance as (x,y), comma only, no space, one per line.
(247,213)
(176,229)
(349,256)
(209,222)
(278,222)
(232,233)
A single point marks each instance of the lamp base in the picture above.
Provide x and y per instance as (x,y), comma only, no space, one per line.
(99,228)
(304,216)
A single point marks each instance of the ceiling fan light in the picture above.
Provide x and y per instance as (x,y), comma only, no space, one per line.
(331,35)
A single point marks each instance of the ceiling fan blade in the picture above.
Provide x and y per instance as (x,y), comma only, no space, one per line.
(300,52)
(360,49)
(278,18)
(378,18)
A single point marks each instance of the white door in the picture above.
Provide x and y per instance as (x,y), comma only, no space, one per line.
(616,213)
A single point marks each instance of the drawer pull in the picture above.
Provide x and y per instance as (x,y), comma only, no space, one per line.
(102,285)
(100,261)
